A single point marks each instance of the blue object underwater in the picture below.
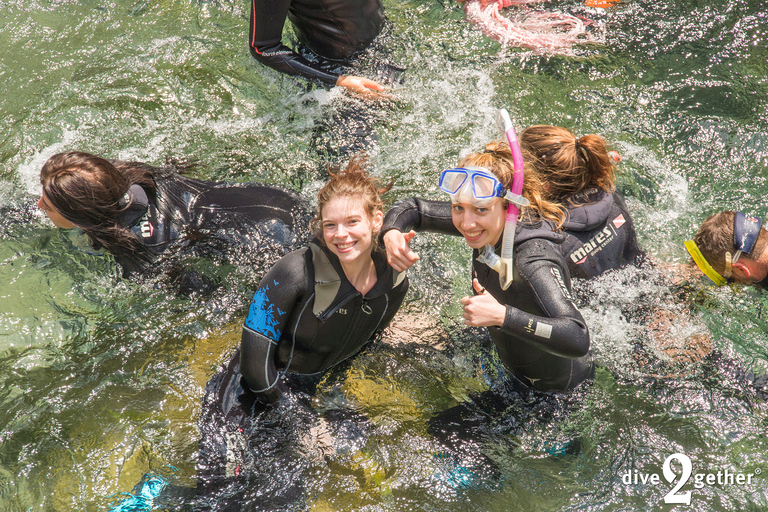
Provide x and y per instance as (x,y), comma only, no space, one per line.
(144,494)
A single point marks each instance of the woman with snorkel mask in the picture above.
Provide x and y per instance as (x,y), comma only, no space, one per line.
(539,334)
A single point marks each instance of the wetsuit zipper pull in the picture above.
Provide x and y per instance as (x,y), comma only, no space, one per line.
(366,308)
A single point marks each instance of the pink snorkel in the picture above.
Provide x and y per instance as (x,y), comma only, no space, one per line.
(503,264)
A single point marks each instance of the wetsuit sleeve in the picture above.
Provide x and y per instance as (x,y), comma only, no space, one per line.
(266,30)
(420,215)
(562,331)
(267,317)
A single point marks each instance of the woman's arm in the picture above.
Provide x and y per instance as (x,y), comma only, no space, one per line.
(268,315)
(406,216)
(561,330)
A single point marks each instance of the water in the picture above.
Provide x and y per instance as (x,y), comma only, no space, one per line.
(102,378)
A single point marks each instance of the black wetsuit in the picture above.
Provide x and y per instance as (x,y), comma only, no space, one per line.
(332,29)
(205,209)
(544,341)
(305,318)
(600,234)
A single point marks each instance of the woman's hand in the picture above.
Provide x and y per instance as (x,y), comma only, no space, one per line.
(364,87)
(483,310)
(399,254)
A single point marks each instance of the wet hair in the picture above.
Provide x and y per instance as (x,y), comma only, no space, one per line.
(497,158)
(568,164)
(354,182)
(86,190)
(715,238)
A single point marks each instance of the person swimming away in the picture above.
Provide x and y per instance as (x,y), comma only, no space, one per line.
(579,174)
(143,215)
(334,30)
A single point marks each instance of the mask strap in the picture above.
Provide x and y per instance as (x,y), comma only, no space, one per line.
(703,264)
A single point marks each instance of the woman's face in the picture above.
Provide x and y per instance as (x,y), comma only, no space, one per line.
(58,220)
(480,226)
(347,228)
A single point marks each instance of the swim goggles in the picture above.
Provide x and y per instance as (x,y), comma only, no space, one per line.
(477,186)
(746,230)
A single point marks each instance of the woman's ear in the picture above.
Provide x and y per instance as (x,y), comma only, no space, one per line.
(378,221)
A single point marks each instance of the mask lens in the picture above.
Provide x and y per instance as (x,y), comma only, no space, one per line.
(484,186)
(746,229)
(452,180)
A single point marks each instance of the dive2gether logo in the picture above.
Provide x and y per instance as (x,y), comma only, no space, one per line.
(682,473)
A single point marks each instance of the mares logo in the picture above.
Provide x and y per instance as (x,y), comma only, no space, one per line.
(599,241)
(146,227)
(559,278)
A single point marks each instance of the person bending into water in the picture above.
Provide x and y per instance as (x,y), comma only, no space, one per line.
(313,309)
(539,334)
(138,212)
(334,30)
(579,174)
(732,247)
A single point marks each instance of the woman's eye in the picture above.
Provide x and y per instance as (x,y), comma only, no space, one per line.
(481,210)
(458,208)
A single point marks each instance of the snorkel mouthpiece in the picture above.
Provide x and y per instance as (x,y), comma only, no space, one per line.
(490,258)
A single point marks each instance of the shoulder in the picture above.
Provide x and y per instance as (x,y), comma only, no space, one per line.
(536,253)
(537,229)
(293,270)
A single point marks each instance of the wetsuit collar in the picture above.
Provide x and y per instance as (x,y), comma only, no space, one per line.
(764,283)
(333,289)
(134,205)
(588,210)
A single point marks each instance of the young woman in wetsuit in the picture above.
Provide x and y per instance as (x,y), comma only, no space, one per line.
(539,334)
(138,212)
(313,309)
(579,174)
(332,29)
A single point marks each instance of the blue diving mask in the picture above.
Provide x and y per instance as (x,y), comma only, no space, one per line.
(746,230)
(477,186)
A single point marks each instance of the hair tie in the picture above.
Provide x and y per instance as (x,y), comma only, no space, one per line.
(580,149)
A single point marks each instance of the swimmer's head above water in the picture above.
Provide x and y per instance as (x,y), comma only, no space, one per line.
(568,164)
(89,192)
(350,214)
(731,247)
(478,206)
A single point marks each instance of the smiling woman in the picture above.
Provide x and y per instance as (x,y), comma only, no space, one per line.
(539,334)
(314,308)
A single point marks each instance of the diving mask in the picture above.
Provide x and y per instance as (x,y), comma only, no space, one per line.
(477,186)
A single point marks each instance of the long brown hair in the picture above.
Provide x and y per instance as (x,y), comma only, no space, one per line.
(86,190)
(568,164)
(497,158)
(353,181)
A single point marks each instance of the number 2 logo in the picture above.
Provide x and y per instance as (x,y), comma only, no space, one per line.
(669,474)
